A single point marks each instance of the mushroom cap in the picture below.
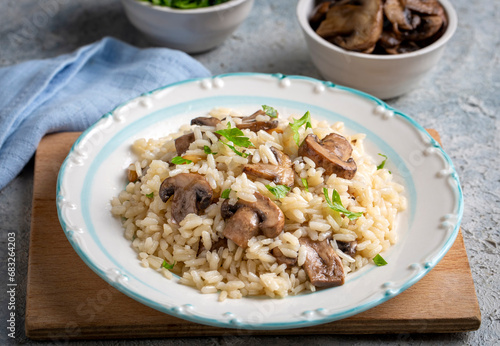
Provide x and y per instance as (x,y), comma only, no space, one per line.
(332,153)
(271,218)
(279,174)
(428,27)
(353,24)
(183,142)
(242,226)
(250,122)
(323,266)
(192,193)
(205,121)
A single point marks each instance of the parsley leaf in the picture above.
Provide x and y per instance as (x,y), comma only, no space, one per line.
(382,164)
(305,183)
(270,111)
(166,265)
(306,119)
(279,191)
(236,136)
(379,261)
(337,205)
(207,150)
(150,195)
(225,193)
(180,161)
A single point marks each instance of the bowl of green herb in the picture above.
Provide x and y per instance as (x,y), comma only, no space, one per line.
(193,26)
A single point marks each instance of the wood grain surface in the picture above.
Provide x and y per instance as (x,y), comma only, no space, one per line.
(66,300)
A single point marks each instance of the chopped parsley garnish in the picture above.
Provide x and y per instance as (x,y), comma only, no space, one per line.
(180,161)
(225,193)
(305,183)
(382,164)
(337,204)
(236,136)
(306,119)
(167,265)
(150,195)
(279,191)
(270,111)
(378,260)
(207,150)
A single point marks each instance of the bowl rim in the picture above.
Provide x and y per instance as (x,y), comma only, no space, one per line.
(214,8)
(303,18)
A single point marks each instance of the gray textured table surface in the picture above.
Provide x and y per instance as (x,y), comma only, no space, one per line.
(460,99)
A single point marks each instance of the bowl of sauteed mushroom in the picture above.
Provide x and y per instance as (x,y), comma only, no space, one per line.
(382,47)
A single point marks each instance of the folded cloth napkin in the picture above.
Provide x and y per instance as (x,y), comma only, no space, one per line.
(72,91)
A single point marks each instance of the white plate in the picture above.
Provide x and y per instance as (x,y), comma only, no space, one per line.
(93,173)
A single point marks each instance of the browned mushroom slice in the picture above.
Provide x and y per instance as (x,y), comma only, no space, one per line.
(252,124)
(428,27)
(319,14)
(389,40)
(191,192)
(271,218)
(397,13)
(279,174)
(242,226)
(424,6)
(353,24)
(280,258)
(205,121)
(323,266)
(182,143)
(348,247)
(333,153)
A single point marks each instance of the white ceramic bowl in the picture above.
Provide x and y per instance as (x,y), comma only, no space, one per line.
(384,76)
(192,31)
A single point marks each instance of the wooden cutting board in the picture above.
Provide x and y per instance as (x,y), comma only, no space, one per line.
(66,300)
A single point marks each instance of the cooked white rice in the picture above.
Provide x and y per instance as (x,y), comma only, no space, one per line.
(232,271)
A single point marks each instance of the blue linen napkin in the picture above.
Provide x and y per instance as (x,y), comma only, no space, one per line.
(72,91)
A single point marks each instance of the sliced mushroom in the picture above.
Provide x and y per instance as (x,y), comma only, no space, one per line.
(252,124)
(323,266)
(389,39)
(428,27)
(348,247)
(280,258)
(353,24)
(425,6)
(271,219)
(319,14)
(398,14)
(205,121)
(191,192)
(333,153)
(242,226)
(279,174)
(182,143)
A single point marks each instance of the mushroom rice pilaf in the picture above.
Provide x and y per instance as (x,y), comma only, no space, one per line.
(242,205)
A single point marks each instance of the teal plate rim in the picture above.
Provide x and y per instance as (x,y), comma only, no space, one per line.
(230,323)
